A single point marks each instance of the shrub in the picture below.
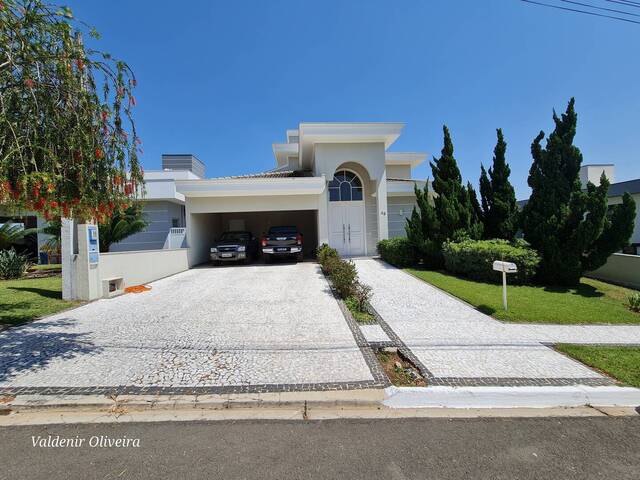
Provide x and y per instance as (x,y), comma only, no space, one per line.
(474,259)
(634,301)
(343,276)
(325,253)
(398,252)
(12,264)
(361,293)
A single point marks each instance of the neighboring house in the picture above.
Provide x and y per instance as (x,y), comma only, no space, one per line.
(592,173)
(163,205)
(335,181)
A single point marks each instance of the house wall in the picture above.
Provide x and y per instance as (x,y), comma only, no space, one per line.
(137,268)
(202,230)
(620,269)
(398,171)
(367,160)
(159,214)
(399,209)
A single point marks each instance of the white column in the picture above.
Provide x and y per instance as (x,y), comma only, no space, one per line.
(381,200)
(86,278)
(68,266)
(323,218)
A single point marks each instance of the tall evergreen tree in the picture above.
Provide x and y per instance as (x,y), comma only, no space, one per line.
(572,229)
(452,202)
(500,211)
(423,229)
(476,225)
(453,212)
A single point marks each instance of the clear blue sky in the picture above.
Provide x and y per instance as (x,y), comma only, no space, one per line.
(225,79)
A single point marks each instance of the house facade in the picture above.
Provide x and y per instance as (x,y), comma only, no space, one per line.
(337,182)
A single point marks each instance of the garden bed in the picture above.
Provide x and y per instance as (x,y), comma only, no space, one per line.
(401,372)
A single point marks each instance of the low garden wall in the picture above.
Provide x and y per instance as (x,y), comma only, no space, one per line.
(621,269)
(140,267)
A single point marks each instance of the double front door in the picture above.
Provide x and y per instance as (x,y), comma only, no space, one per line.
(346,228)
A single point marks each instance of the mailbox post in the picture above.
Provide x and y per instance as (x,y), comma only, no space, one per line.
(504,267)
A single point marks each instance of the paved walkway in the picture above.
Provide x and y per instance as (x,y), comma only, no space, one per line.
(458,345)
(229,329)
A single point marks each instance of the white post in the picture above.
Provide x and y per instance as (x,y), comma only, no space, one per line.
(68,258)
(504,289)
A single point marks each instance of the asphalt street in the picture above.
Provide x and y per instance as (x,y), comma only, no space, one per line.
(429,448)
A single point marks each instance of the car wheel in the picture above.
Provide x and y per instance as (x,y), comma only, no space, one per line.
(300,257)
(267,259)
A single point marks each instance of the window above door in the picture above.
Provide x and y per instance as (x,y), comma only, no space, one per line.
(346,186)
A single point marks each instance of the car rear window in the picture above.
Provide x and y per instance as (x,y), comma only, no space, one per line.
(282,230)
(235,236)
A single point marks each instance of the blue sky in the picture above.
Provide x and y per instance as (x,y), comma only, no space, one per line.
(225,79)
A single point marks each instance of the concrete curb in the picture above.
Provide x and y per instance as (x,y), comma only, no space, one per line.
(334,398)
(511,397)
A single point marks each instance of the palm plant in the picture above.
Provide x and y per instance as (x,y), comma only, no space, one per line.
(11,233)
(53,230)
(121,225)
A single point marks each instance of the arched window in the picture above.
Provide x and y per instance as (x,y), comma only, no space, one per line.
(345,187)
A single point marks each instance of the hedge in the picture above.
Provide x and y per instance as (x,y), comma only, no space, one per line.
(474,259)
(398,252)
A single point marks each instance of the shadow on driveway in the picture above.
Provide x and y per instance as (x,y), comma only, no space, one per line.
(34,346)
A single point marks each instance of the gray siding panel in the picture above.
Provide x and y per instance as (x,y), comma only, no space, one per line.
(159,215)
(398,210)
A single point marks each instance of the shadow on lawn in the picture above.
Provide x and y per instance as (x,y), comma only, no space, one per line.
(583,290)
(43,292)
(36,345)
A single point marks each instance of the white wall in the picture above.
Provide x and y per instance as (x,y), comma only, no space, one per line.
(137,268)
(398,171)
(592,173)
(621,269)
(368,161)
(202,230)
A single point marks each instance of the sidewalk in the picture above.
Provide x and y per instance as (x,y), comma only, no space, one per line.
(456,345)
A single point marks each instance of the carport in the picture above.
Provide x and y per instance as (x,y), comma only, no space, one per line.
(253,204)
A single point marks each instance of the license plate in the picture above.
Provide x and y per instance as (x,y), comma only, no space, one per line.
(282,249)
(281,238)
(226,255)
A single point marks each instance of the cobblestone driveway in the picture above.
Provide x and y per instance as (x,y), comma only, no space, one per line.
(458,345)
(267,326)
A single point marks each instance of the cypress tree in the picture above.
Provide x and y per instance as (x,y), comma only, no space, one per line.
(452,203)
(572,229)
(423,229)
(500,211)
(476,226)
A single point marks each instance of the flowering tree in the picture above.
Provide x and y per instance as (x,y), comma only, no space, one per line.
(68,143)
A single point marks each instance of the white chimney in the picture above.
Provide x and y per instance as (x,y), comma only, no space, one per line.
(592,173)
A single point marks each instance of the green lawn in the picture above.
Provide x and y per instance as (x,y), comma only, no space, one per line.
(25,300)
(622,363)
(591,302)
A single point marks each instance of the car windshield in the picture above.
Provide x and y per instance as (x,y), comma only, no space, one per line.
(283,230)
(235,236)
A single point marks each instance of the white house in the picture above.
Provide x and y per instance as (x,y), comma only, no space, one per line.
(337,182)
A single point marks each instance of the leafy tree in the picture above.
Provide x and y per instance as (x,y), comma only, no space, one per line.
(64,146)
(120,226)
(10,233)
(500,211)
(571,228)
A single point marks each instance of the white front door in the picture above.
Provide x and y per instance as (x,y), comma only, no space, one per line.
(346,228)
